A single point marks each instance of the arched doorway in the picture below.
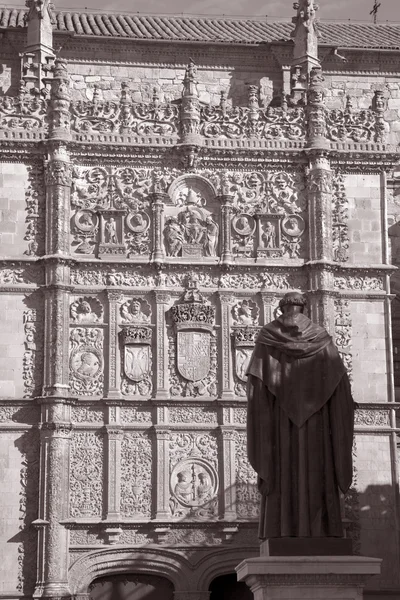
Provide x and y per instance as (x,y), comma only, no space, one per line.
(227,587)
(131,587)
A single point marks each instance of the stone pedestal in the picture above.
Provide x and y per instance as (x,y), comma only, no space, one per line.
(308,577)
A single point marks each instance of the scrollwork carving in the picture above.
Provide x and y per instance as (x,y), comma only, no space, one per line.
(353,282)
(343,333)
(86,475)
(247,495)
(192,414)
(33,355)
(136,469)
(340,215)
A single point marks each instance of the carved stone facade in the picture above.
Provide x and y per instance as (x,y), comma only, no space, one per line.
(148,231)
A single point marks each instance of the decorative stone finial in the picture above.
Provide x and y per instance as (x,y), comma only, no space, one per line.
(305,35)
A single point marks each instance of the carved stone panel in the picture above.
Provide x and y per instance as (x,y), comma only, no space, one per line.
(193,476)
(243,344)
(137,361)
(86,474)
(247,495)
(86,361)
(136,475)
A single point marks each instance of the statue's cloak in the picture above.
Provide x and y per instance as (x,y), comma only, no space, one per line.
(300,428)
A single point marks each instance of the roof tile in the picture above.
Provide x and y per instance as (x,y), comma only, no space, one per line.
(210,29)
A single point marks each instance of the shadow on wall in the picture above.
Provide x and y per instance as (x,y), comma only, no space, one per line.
(131,587)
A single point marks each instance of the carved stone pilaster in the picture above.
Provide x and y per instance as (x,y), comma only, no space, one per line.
(60,101)
(162,386)
(114,437)
(54,482)
(226,209)
(58,188)
(190,108)
(56,326)
(316,111)
(37,59)
(113,378)
(162,492)
(229,475)
(305,35)
(158,199)
(268,303)
(320,190)
(227,392)
(321,296)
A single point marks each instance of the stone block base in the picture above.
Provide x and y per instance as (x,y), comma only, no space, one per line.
(299,546)
(308,577)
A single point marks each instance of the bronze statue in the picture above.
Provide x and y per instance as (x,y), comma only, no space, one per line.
(300,426)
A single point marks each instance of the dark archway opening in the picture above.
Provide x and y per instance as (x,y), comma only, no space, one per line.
(131,587)
(227,587)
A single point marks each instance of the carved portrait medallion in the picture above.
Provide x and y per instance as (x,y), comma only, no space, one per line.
(86,362)
(194,486)
(293,225)
(138,222)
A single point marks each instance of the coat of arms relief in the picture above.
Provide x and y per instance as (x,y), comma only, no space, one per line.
(193,359)
(136,339)
(245,318)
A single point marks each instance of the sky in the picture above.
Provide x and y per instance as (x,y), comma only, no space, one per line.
(329,9)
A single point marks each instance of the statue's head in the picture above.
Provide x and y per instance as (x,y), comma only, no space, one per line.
(292,302)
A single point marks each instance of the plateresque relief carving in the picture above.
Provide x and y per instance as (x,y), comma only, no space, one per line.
(192,224)
(192,345)
(86,475)
(136,470)
(86,310)
(86,361)
(137,360)
(193,476)
(269,210)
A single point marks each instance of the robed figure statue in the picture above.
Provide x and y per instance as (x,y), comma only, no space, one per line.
(300,426)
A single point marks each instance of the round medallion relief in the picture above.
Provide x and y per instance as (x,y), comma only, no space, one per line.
(194,482)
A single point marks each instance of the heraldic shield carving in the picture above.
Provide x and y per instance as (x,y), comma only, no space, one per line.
(244,339)
(137,357)
(193,320)
(194,354)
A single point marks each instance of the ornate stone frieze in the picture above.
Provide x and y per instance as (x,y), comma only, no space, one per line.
(343,333)
(192,414)
(371,417)
(86,474)
(87,414)
(12,273)
(124,116)
(358,282)
(85,537)
(135,537)
(247,495)
(340,215)
(133,415)
(191,537)
(32,370)
(252,121)
(136,475)
(86,361)
(25,111)
(348,124)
